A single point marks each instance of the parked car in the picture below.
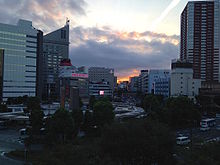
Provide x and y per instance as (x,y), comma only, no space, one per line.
(204,128)
(218,127)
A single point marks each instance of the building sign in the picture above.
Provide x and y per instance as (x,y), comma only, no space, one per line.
(101,93)
(80,75)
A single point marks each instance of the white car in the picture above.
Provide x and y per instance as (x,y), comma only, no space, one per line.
(204,128)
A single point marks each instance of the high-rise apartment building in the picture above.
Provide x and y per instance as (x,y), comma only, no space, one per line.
(55,48)
(20,52)
(200,38)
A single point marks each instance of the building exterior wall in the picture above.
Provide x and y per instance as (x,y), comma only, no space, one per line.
(199,38)
(39,64)
(134,84)
(100,89)
(100,74)
(1,72)
(183,83)
(143,82)
(217,33)
(20,59)
(55,48)
(73,77)
(162,87)
(155,75)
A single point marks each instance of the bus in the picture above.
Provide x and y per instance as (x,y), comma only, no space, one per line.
(183,140)
(208,122)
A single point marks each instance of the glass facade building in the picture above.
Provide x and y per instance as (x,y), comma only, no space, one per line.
(1,71)
(19,74)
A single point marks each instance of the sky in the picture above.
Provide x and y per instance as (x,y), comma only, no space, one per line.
(127,35)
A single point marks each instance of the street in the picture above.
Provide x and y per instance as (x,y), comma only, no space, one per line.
(9,142)
(213,133)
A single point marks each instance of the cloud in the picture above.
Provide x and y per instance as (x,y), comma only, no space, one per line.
(126,52)
(45,14)
(173,4)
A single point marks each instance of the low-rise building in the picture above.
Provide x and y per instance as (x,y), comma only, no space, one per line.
(162,87)
(100,89)
(162,76)
(73,77)
(182,81)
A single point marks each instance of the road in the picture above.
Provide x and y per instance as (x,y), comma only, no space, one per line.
(9,142)
(204,135)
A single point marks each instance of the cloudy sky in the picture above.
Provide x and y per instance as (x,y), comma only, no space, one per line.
(127,35)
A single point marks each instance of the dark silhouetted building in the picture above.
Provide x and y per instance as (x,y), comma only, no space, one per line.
(55,48)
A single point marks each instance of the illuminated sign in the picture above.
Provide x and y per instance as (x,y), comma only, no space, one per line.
(101,93)
(80,75)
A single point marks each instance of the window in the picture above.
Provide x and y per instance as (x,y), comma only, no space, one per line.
(63,34)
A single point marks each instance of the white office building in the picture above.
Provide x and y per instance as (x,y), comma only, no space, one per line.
(100,89)
(162,87)
(182,81)
(157,75)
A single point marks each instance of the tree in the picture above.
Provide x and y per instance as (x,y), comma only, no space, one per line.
(3,108)
(139,142)
(78,118)
(180,112)
(33,103)
(103,113)
(217,101)
(80,102)
(36,120)
(88,122)
(151,103)
(60,126)
(92,101)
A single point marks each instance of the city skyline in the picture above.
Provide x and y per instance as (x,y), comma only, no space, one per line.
(114,34)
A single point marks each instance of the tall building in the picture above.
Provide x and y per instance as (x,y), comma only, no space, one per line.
(1,72)
(200,39)
(55,48)
(182,81)
(133,86)
(100,74)
(20,52)
(154,75)
(143,82)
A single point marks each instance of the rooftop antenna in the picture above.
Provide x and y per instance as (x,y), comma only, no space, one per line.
(67,21)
